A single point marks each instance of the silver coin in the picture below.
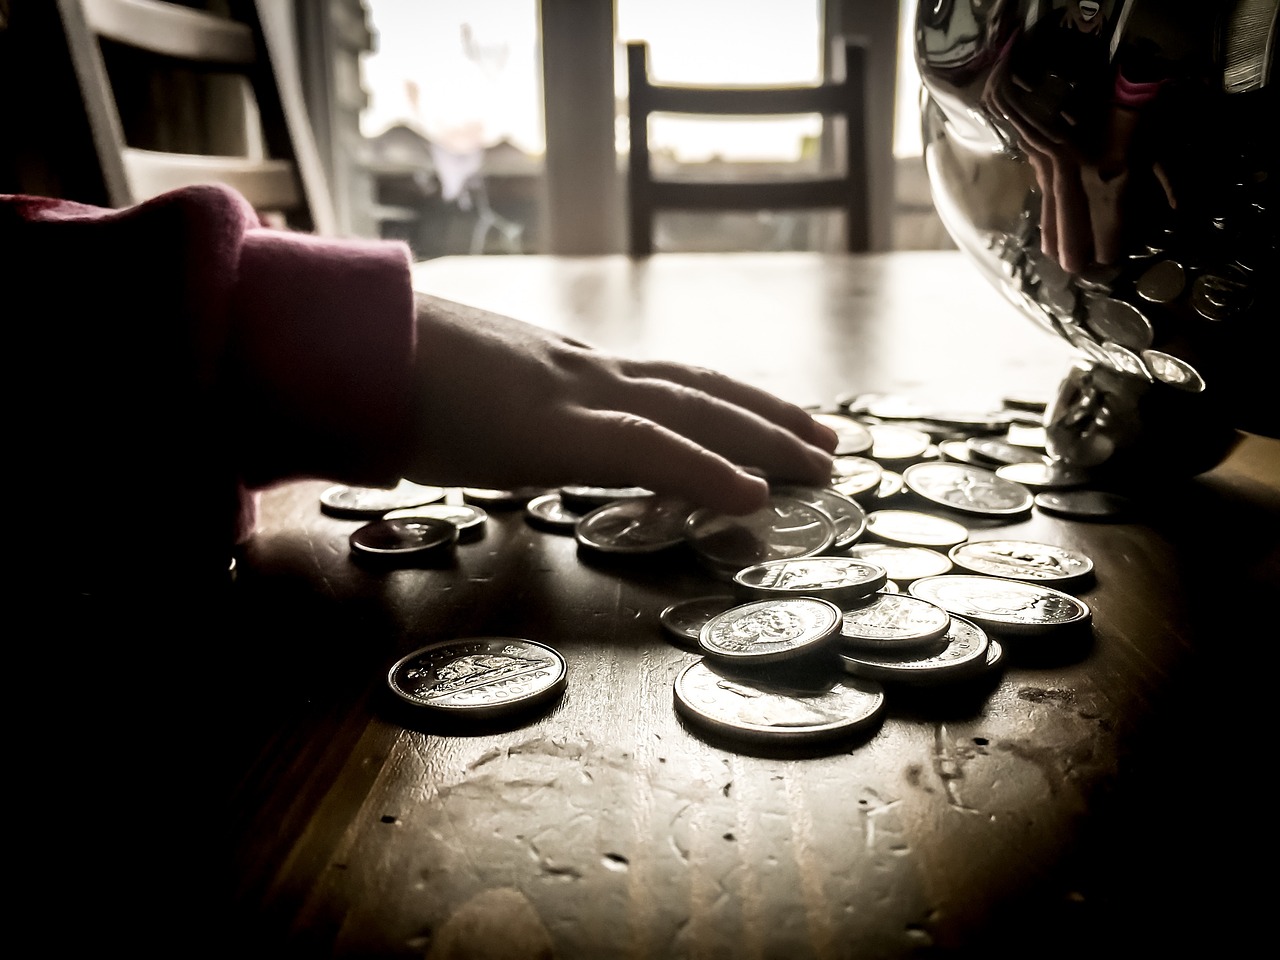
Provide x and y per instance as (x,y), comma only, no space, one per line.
(1044,474)
(1162,282)
(964,655)
(343,500)
(893,622)
(838,579)
(642,525)
(855,476)
(1022,560)
(903,564)
(785,708)
(958,451)
(914,528)
(549,512)
(990,450)
(581,498)
(406,538)
(995,654)
(1174,371)
(1002,605)
(1125,360)
(967,489)
(479,677)
(896,442)
(1122,322)
(499,499)
(766,631)
(891,484)
(785,529)
(849,516)
(469,520)
(1217,298)
(684,618)
(1086,504)
(1030,434)
(852,436)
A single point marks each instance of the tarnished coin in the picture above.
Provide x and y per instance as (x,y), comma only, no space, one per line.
(964,655)
(1022,560)
(549,512)
(893,623)
(1042,474)
(581,498)
(913,528)
(766,631)
(855,476)
(684,619)
(479,677)
(853,437)
(410,538)
(642,525)
(848,514)
(786,707)
(967,489)
(1086,504)
(838,579)
(1001,605)
(784,529)
(903,564)
(469,520)
(341,500)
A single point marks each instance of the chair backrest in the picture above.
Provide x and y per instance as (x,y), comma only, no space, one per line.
(844,95)
(234,77)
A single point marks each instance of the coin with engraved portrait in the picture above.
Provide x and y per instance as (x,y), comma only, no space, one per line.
(1003,606)
(785,528)
(967,489)
(838,579)
(781,707)
(638,525)
(963,655)
(767,631)
(893,623)
(478,677)
(1022,560)
(343,500)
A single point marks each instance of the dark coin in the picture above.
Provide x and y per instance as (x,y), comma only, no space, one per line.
(408,538)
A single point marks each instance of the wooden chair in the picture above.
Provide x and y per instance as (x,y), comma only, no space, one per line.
(235,113)
(842,96)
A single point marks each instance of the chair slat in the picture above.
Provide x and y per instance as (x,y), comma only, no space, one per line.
(174,31)
(266,184)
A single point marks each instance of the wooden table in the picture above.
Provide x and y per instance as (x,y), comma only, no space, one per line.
(1093,798)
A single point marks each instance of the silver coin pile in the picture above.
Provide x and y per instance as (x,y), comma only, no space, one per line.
(820,602)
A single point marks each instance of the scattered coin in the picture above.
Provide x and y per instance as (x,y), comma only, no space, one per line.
(841,580)
(498,499)
(1086,504)
(849,516)
(342,500)
(914,528)
(767,631)
(964,654)
(409,538)
(479,677)
(990,450)
(1030,434)
(684,618)
(1002,605)
(1043,474)
(641,525)
(1174,371)
(582,499)
(786,707)
(967,489)
(549,512)
(903,564)
(893,623)
(1022,560)
(855,476)
(785,529)
(853,437)
(470,520)
(895,442)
